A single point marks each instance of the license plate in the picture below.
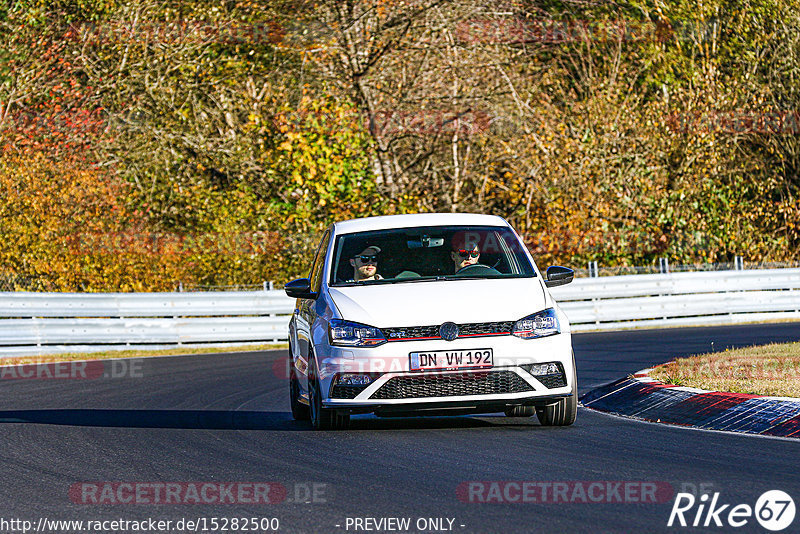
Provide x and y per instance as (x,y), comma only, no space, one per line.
(451,359)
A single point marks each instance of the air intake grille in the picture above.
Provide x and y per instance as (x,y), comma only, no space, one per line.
(553,381)
(406,333)
(341,391)
(452,385)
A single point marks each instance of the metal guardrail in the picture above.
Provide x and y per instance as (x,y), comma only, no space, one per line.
(654,300)
(44,323)
(39,323)
(177,304)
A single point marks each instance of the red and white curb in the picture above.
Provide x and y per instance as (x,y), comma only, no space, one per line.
(643,397)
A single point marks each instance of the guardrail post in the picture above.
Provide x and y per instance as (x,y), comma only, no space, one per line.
(594,273)
(738,263)
(38,333)
(663,268)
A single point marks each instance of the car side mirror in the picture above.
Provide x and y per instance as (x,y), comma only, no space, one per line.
(558,276)
(300,289)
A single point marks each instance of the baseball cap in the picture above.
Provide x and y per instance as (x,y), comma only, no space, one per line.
(369,249)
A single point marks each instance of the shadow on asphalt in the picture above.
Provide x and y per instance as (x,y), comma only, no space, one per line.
(188,419)
(241,420)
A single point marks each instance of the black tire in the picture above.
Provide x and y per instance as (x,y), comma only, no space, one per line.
(520,411)
(323,418)
(300,411)
(563,412)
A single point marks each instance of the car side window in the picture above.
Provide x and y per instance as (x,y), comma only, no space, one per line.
(319,263)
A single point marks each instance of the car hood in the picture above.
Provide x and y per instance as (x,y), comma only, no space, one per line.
(434,302)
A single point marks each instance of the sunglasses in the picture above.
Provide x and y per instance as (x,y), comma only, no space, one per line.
(368,259)
(468,253)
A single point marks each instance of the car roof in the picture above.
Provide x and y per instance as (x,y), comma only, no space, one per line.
(419,219)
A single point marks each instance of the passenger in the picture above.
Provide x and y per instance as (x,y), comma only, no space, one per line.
(365,265)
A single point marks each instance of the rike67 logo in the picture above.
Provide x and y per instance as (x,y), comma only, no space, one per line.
(774,510)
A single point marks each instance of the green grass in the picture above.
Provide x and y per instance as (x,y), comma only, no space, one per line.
(763,370)
(111,354)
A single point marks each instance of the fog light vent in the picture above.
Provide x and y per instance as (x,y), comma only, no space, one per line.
(550,374)
(354,380)
(539,369)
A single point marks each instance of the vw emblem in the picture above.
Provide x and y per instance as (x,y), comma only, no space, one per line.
(448,331)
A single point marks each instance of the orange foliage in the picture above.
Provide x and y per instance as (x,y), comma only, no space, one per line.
(49,211)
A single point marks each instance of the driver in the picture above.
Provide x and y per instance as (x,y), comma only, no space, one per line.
(464,254)
(365,265)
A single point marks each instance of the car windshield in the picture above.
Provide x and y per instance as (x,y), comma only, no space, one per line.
(401,255)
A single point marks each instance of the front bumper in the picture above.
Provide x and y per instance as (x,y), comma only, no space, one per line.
(451,407)
(398,389)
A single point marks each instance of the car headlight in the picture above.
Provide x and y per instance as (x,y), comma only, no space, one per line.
(540,324)
(349,334)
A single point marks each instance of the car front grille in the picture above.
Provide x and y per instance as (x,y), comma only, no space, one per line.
(410,332)
(452,385)
(407,333)
(485,329)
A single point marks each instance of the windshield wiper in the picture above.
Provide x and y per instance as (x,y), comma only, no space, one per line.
(420,279)
(388,281)
(484,277)
(437,278)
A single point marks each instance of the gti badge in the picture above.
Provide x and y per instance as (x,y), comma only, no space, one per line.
(448,331)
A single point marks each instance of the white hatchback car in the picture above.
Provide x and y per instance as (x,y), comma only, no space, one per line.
(430,314)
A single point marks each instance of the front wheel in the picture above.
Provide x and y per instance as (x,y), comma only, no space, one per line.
(323,418)
(563,412)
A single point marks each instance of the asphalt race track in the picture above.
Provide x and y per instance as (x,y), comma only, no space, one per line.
(224,418)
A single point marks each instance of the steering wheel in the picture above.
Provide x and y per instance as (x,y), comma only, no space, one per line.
(476,269)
